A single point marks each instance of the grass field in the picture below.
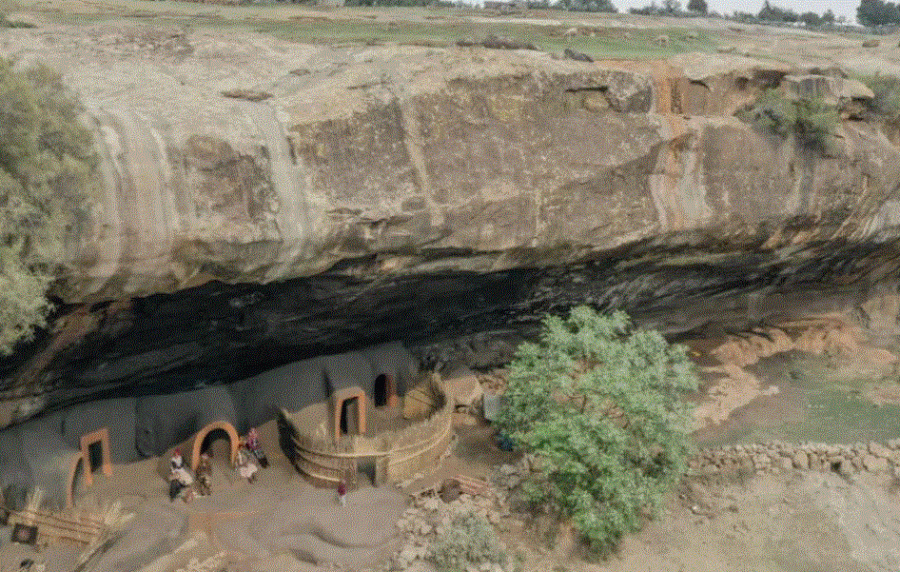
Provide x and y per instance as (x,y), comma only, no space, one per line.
(817,403)
(371,26)
(607,43)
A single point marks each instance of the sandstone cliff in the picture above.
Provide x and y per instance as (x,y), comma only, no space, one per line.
(477,187)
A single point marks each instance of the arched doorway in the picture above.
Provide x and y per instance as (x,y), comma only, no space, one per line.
(200,438)
(349,412)
(384,391)
(350,416)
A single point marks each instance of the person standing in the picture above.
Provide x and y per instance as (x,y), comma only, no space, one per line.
(204,475)
(180,470)
(254,447)
(246,467)
(342,493)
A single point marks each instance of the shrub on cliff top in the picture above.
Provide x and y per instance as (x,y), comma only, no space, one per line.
(887,94)
(599,404)
(47,164)
(812,120)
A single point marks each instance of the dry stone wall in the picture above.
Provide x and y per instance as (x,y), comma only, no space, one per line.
(760,458)
(775,456)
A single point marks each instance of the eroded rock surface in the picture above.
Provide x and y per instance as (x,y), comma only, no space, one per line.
(400,192)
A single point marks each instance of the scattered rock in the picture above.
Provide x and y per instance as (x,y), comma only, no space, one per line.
(571,54)
(248,94)
(879,450)
(464,386)
(875,464)
(871,43)
(497,43)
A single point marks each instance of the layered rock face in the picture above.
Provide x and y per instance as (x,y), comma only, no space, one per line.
(337,197)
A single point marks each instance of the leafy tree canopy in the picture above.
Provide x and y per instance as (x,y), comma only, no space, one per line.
(47,164)
(599,404)
(877,13)
(587,5)
(776,14)
(698,6)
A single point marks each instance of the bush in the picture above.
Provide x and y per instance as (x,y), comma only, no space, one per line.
(468,540)
(600,406)
(812,120)
(887,94)
(47,165)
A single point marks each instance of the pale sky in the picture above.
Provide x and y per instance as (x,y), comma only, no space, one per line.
(839,7)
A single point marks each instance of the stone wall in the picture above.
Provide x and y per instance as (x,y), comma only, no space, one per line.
(777,456)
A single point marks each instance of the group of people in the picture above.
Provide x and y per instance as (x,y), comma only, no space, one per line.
(185,486)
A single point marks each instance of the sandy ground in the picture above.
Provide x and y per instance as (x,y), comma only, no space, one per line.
(796,522)
(788,522)
(279,522)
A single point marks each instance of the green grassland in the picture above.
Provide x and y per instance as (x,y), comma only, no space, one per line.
(437,27)
(607,43)
(829,407)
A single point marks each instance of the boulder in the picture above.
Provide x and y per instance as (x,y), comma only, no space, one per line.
(464,386)
(800,460)
(878,450)
(875,464)
(832,90)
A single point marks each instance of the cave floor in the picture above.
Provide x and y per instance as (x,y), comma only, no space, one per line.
(788,522)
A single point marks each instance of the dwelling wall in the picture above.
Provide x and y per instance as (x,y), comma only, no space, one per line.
(15,472)
(417,448)
(293,386)
(349,370)
(393,359)
(48,457)
(118,415)
(39,452)
(165,420)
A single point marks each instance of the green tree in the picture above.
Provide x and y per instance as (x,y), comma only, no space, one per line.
(587,5)
(811,19)
(671,6)
(877,13)
(887,95)
(828,17)
(47,164)
(698,6)
(599,404)
(777,14)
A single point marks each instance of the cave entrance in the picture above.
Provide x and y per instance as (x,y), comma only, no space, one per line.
(379,393)
(366,467)
(384,392)
(350,416)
